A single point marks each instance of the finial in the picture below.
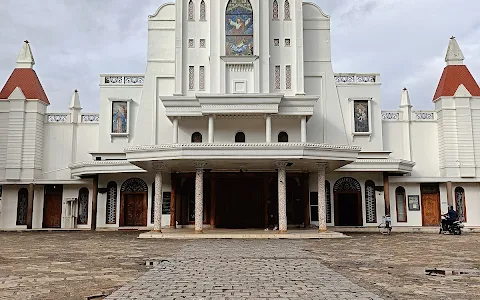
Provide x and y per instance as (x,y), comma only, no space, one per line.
(25,41)
(25,57)
(404,88)
(454,54)
(76,91)
(452,38)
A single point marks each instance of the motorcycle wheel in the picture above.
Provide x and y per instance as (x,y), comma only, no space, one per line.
(457,231)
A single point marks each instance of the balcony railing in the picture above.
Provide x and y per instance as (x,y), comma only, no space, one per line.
(87,118)
(353,78)
(122,80)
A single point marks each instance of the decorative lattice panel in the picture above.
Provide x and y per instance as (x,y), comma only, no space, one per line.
(460,203)
(328,202)
(347,184)
(201,78)
(287,10)
(22,207)
(277,77)
(370,202)
(111,203)
(191,10)
(288,77)
(134,185)
(82,206)
(203,11)
(275,10)
(191,77)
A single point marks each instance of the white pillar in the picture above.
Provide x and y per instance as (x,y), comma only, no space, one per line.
(322,218)
(175,130)
(157,213)
(268,129)
(199,197)
(211,128)
(303,130)
(282,197)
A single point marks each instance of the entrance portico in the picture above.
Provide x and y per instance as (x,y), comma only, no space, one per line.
(268,161)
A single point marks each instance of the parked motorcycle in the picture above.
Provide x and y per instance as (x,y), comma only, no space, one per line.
(455,228)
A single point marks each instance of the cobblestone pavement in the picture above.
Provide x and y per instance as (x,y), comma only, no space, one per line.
(74,265)
(242,269)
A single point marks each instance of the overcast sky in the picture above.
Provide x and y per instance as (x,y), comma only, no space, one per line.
(74,41)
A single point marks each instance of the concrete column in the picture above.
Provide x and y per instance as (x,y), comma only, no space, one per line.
(93,224)
(31,192)
(386,193)
(158,196)
(199,196)
(268,129)
(175,131)
(282,197)
(322,217)
(303,129)
(211,129)
(449,193)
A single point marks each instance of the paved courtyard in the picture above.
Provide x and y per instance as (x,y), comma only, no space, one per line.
(75,265)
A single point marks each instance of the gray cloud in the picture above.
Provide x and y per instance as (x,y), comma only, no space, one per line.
(74,41)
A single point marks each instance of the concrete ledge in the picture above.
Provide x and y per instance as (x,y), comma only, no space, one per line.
(400,229)
(188,234)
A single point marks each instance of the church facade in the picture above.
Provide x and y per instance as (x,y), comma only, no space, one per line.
(238,117)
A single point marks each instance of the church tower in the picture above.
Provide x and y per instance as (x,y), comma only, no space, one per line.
(457,101)
(23,104)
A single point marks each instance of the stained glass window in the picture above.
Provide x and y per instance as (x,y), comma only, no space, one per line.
(370,202)
(119,117)
(191,77)
(401,204)
(288,77)
(287,10)
(191,11)
(277,77)
(361,116)
(275,10)
(82,206)
(22,206)
(111,206)
(203,11)
(460,204)
(201,78)
(239,28)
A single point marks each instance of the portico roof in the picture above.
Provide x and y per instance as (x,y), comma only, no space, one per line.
(244,156)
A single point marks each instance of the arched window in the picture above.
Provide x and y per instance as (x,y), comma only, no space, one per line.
(370,202)
(275,9)
(240,137)
(196,137)
(191,11)
(401,204)
(111,209)
(82,206)
(22,203)
(287,10)
(460,204)
(283,137)
(239,28)
(135,185)
(203,11)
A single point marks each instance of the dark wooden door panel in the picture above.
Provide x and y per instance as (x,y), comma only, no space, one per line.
(430,209)
(135,210)
(52,212)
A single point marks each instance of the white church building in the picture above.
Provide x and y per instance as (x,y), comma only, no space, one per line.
(239,116)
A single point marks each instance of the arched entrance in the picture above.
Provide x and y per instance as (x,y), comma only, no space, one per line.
(348,202)
(133,203)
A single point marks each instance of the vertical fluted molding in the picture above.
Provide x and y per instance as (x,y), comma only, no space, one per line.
(268,129)
(322,218)
(211,129)
(303,129)
(199,196)
(282,197)
(175,131)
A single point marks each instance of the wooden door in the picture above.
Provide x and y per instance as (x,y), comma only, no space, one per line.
(135,210)
(52,211)
(431,209)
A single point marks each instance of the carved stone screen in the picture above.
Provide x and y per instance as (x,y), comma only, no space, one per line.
(370,202)
(361,116)
(460,203)
(111,203)
(239,28)
(119,117)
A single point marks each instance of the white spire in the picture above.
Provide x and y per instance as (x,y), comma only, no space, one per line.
(454,53)
(405,98)
(25,57)
(75,103)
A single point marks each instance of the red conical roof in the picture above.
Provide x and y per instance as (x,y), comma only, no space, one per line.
(27,80)
(453,76)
